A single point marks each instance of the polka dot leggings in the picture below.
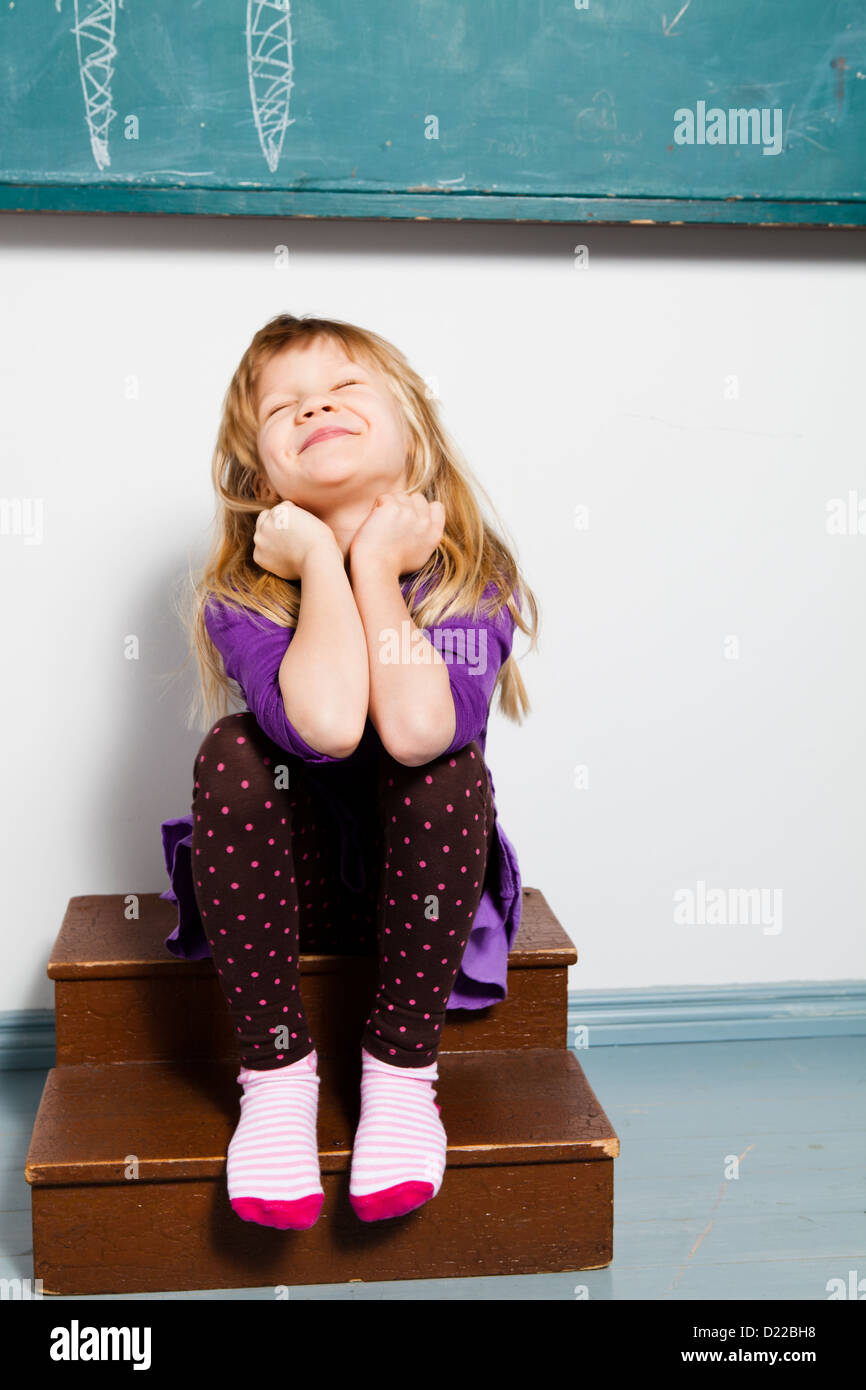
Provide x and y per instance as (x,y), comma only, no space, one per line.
(266,873)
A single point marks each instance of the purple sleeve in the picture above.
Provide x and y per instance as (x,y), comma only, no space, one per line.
(252,648)
(473,650)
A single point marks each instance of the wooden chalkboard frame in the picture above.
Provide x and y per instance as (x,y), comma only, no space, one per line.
(428,207)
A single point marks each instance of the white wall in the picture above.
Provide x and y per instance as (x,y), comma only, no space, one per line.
(603,387)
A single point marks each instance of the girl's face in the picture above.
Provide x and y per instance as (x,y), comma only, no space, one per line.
(307,389)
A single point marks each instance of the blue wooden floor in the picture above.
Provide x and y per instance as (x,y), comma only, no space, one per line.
(793,1111)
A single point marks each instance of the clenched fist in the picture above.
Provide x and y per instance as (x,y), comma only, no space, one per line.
(284,535)
(400,533)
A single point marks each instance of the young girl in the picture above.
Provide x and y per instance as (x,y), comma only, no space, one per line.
(366,610)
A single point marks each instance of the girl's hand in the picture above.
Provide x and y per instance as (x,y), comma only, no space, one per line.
(400,533)
(284,535)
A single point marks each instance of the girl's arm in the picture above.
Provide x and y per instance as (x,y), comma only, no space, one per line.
(324,675)
(410,703)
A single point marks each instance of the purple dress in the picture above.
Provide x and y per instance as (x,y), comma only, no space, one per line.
(252,648)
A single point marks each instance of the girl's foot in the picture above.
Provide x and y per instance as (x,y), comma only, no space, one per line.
(272,1165)
(399,1153)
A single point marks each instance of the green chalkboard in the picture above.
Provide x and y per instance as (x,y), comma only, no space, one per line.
(540,110)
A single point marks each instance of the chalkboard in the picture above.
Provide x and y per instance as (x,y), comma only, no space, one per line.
(539,110)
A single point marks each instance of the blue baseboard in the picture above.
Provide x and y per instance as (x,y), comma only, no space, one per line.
(605,1018)
(716,1013)
(26,1039)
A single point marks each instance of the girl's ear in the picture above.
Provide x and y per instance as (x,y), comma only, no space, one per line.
(264,492)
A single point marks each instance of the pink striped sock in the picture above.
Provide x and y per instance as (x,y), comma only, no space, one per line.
(272,1166)
(399,1153)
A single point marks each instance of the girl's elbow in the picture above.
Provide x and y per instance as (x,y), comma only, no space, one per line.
(340,743)
(334,738)
(416,752)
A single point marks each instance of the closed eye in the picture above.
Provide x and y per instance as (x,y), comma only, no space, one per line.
(350,382)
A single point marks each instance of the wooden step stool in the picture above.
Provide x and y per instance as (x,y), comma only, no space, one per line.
(127,1157)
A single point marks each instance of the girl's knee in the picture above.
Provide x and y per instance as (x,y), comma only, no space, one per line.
(470,752)
(469,755)
(460,773)
(462,762)
(463,773)
(232,742)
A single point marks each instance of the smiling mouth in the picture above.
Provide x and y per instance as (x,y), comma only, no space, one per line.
(323,439)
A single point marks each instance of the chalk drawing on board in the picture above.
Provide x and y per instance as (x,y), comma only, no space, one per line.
(269,63)
(94,37)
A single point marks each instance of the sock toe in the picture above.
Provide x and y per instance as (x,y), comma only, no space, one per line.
(299,1215)
(392,1201)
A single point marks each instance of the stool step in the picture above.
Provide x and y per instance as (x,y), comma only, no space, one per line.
(127,1168)
(120,996)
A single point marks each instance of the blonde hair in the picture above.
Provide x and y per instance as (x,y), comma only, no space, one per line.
(469,556)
